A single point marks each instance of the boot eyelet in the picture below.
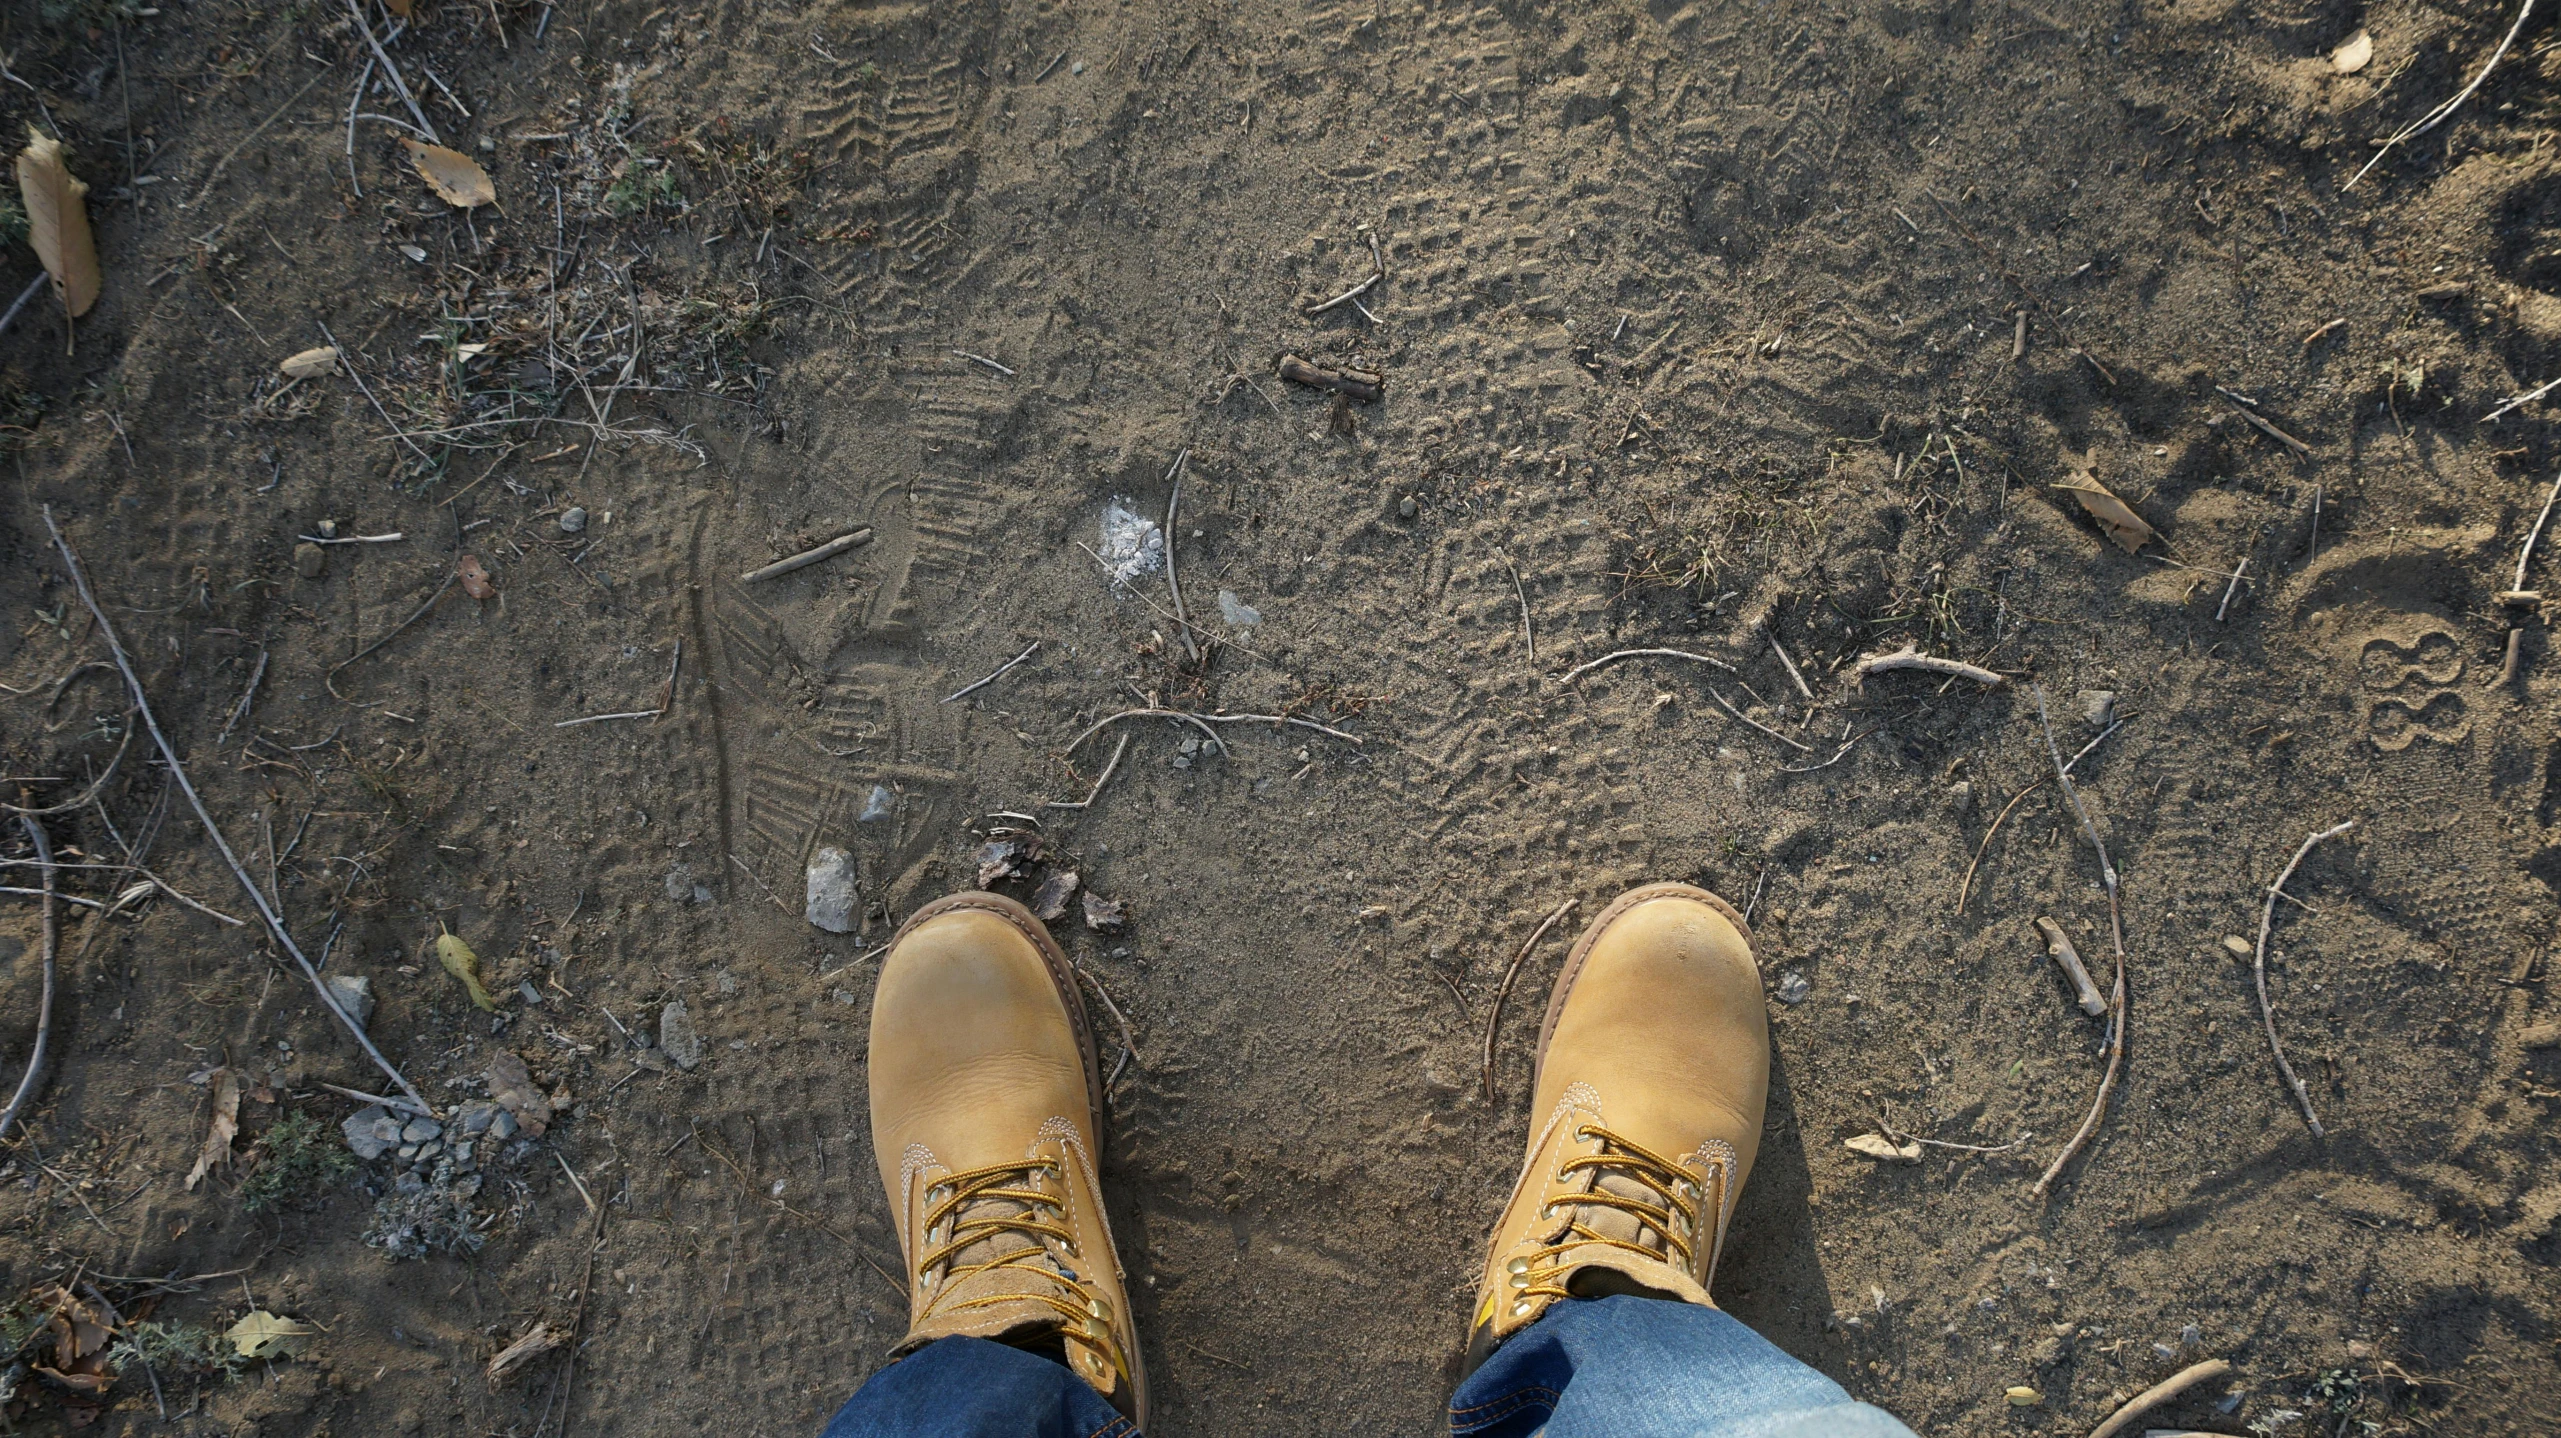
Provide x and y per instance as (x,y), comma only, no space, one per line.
(1517,1265)
(1520,1308)
(1520,1280)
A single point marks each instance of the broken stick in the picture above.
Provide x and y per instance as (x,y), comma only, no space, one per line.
(1908,657)
(2058,946)
(2160,1393)
(2259,974)
(807,557)
(1363,385)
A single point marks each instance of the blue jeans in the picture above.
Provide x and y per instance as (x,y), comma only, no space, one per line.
(1592,1368)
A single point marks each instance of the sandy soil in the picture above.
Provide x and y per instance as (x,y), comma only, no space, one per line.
(1698,330)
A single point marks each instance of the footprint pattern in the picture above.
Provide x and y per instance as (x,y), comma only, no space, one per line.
(2408,697)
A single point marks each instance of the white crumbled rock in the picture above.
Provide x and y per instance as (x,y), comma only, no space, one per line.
(834,903)
(1237,612)
(1132,544)
(372,1132)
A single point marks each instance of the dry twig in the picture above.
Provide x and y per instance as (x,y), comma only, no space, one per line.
(27,1083)
(808,557)
(2160,1393)
(1104,778)
(1579,670)
(1001,671)
(1494,1020)
(1173,581)
(2441,113)
(2259,974)
(2525,555)
(2116,931)
(1908,657)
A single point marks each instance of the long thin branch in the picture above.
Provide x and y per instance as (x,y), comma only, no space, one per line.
(397,83)
(2439,115)
(1173,580)
(2116,931)
(34,1075)
(2259,974)
(186,786)
(1494,1020)
(2525,556)
(1579,670)
(1001,671)
(1967,887)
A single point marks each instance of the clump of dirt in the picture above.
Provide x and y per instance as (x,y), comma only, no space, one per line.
(1785,336)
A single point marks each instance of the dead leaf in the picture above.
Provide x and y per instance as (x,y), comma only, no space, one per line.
(475,580)
(2115,516)
(512,1085)
(222,1130)
(1878,1146)
(2353,56)
(999,859)
(58,222)
(538,1340)
(398,7)
(310,363)
(1105,915)
(264,1335)
(456,178)
(1050,899)
(463,964)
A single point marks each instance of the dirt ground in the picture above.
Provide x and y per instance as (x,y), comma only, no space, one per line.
(1700,328)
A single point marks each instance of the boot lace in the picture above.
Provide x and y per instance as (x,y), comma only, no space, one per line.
(1667,1203)
(980,1206)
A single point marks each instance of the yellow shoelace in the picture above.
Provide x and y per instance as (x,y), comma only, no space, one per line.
(975,1189)
(1676,1218)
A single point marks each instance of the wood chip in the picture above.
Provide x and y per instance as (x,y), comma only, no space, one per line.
(58,222)
(538,1340)
(456,178)
(1878,1146)
(475,580)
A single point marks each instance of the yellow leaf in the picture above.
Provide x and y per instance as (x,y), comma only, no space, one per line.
(456,178)
(2352,56)
(2024,1397)
(58,222)
(264,1335)
(398,7)
(2114,515)
(463,964)
(224,1128)
(323,360)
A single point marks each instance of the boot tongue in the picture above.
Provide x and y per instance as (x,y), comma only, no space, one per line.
(1613,1222)
(1021,1277)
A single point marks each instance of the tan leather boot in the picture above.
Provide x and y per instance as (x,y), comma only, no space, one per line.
(985,1105)
(1653,1070)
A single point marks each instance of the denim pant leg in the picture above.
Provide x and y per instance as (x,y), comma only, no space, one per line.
(971,1388)
(1623,1367)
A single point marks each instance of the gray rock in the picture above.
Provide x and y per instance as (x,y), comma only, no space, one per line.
(354,993)
(310,560)
(573,520)
(1236,611)
(1406,507)
(475,1117)
(879,805)
(462,1155)
(503,1127)
(2098,707)
(1960,798)
(408,1153)
(1793,987)
(676,1036)
(362,1136)
(419,1130)
(834,903)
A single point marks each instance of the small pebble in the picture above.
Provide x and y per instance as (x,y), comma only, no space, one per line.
(1793,987)
(1406,508)
(2237,946)
(309,559)
(488,146)
(1077,68)
(573,520)
(419,1130)
(329,529)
